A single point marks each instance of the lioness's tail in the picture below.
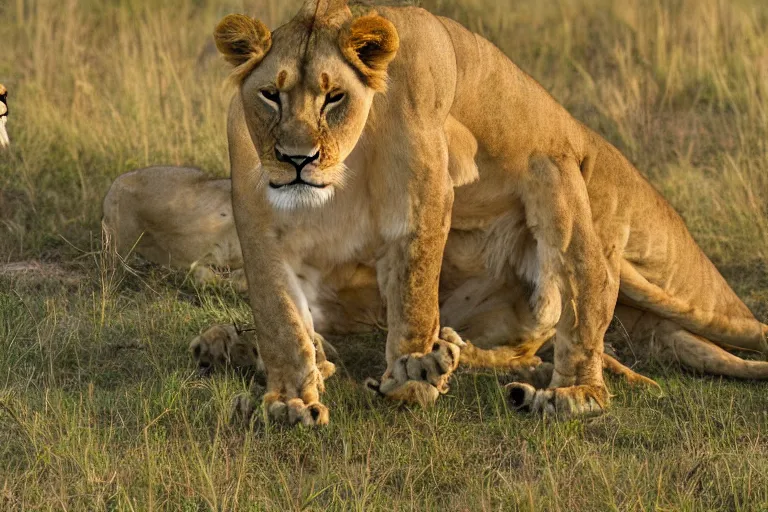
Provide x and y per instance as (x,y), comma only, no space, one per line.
(668,342)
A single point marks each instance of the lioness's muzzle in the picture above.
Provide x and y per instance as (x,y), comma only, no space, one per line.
(297,161)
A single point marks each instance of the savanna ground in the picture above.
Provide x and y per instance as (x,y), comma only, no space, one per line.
(100,405)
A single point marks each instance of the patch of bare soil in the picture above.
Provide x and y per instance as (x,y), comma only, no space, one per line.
(36,271)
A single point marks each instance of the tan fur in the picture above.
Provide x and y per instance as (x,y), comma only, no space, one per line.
(369,44)
(251,36)
(221,346)
(654,337)
(557,211)
(177,217)
(633,378)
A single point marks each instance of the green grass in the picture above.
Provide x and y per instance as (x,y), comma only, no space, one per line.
(100,406)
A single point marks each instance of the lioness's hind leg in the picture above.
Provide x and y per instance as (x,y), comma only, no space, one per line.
(703,356)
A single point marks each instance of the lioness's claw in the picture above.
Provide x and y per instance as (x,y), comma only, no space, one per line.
(295,411)
(561,402)
(422,378)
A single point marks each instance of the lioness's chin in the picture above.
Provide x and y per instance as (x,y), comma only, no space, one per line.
(299,196)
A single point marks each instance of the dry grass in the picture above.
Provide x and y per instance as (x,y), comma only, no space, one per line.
(99,405)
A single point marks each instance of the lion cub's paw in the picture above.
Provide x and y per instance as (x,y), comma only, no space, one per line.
(221,346)
(568,402)
(422,378)
(242,408)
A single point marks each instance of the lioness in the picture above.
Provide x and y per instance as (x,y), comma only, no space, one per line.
(338,153)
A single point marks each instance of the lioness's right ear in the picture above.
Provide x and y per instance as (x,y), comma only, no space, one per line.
(242,41)
(369,44)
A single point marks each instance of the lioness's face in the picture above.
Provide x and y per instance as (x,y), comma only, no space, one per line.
(307,98)
(305,117)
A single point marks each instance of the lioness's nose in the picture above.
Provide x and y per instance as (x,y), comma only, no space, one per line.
(297,161)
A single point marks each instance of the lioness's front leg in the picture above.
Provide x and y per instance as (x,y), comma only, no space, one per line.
(285,344)
(577,287)
(420,358)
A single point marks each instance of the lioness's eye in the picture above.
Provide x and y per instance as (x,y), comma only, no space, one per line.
(332,98)
(270,95)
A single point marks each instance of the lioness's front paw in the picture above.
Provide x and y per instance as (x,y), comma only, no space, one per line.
(561,402)
(279,410)
(291,400)
(417,378)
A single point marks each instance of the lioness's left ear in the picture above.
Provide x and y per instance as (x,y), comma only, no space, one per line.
(243,41)
(369,44)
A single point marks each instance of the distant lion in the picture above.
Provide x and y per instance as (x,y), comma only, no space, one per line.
(4,140)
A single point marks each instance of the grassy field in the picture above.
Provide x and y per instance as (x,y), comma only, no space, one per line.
(100,405)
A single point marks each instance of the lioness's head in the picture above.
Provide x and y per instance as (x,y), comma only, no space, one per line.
(307,89)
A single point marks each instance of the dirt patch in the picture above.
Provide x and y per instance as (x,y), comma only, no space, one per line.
(36,271)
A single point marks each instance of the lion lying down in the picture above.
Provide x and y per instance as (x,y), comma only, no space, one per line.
(178,217)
